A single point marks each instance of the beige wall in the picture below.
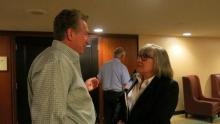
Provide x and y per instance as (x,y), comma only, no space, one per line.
(200,56)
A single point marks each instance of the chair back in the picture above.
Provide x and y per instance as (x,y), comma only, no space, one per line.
(215,85)
(191,90)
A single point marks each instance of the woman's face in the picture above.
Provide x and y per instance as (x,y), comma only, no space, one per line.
(145,66)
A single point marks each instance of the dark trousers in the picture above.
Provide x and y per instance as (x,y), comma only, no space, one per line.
(110,101)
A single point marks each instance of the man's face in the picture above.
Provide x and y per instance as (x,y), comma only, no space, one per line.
(80,39)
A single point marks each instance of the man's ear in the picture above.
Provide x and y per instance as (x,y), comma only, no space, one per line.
(69,33)
(123,57)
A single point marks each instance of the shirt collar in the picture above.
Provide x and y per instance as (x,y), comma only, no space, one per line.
(66,49)
(150,79)
(116,59)
(145,82)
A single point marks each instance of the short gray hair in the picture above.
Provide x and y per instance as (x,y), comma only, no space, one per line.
(119,52)
(162,66)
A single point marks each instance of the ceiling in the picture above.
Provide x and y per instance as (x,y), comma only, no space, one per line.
(144,17)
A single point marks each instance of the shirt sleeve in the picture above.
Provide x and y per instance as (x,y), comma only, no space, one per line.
(125,75)
(50,90)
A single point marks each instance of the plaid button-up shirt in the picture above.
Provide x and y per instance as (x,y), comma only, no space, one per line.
(56,91)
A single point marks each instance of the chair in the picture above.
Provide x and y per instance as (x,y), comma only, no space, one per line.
(195,102)
(215,84)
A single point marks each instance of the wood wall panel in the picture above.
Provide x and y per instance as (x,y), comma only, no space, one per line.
(6,111)
(108,44)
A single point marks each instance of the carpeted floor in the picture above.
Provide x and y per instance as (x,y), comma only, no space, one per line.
(180,119)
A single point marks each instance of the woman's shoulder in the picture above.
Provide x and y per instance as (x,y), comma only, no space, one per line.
(166,81)
(166,84)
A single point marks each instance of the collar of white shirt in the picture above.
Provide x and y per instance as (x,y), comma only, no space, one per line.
(146,82)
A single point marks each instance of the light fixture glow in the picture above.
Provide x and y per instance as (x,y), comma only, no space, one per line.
(98,30)
(37,11)
(177,50)
(187,34)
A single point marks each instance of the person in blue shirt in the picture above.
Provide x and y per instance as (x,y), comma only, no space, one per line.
(115,78)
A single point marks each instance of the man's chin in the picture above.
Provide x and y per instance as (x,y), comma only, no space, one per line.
(81,52)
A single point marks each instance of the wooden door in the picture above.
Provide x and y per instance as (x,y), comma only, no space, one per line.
(7,87)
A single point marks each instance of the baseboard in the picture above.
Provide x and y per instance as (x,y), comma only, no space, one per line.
(179,112)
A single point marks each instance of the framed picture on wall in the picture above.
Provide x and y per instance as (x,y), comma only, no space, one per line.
(3,63)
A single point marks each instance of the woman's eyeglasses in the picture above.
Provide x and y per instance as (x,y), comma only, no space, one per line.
(144,58)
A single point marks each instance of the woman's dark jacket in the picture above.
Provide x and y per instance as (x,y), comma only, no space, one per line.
(155,105)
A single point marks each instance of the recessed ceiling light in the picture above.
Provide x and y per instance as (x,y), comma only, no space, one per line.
(187,34)
(37,11)
(98,30)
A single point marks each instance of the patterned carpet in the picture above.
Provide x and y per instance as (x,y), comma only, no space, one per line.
(180,119)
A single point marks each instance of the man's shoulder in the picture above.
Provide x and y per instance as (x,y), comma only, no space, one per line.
(108,63)
(123,66)
(49,55)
